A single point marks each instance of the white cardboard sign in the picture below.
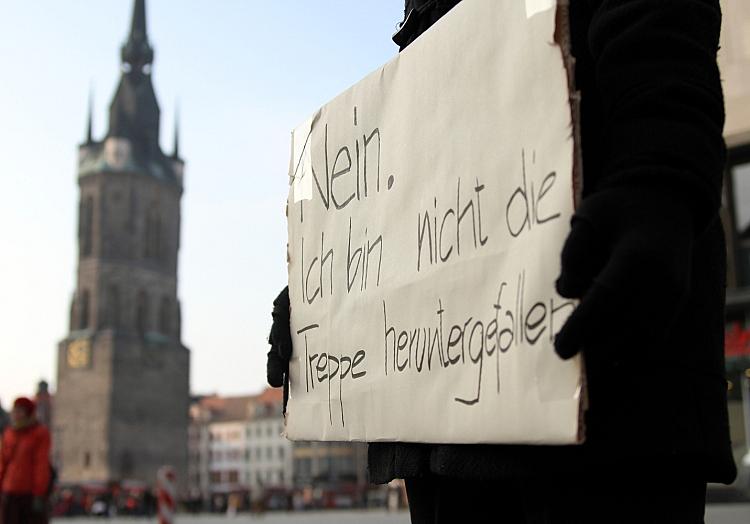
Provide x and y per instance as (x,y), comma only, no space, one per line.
(427,209)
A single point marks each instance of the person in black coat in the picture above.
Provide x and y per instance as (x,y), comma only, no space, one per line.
(646,256)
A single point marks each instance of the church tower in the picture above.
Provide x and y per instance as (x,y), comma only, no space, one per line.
(121,407)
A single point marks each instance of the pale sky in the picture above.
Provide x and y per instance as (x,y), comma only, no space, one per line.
(244,73)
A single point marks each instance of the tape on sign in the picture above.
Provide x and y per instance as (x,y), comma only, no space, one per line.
(301,168)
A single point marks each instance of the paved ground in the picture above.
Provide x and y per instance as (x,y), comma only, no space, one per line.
(312,517)
(728,514)
(716,514)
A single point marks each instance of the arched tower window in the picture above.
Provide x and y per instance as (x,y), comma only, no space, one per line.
(113,307)
(83,310)
(165,316)
(73,310)
(141,314)
(153,236)
(148,232)
(157,235)
(86,226)
(126,464)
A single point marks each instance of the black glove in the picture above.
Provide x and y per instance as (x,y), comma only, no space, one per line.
(628,258)
(280,338)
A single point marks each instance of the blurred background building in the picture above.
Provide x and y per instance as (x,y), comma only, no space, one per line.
(237,448)
(122,399)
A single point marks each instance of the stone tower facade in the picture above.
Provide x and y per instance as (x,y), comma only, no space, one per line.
(122,401)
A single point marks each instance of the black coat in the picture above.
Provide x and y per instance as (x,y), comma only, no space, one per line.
(652,113)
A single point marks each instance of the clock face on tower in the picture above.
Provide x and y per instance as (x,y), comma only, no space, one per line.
(79,353)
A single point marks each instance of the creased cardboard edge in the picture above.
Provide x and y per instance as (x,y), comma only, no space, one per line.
(563,41)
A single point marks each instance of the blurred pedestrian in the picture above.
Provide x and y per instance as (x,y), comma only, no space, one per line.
(24,467)
(43,401)
(646,256)
(233,505)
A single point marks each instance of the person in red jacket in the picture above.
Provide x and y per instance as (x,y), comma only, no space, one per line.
(24,467)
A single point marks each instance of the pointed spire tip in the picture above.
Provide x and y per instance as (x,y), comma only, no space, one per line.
(176,151)
(137,52)
(90,124)
(138,24)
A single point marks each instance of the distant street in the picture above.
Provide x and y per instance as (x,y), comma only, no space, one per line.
(717,514)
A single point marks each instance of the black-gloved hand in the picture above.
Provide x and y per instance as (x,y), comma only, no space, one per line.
(280,339)
(628,258)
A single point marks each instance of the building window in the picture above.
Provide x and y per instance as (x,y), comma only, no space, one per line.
(87,460)
(269,453)
(127,463)
(178,319)
(86,226)
(141,315)
(112,317)
(73,307)
(83,311)
(281,452)
(152,248)
(165,316)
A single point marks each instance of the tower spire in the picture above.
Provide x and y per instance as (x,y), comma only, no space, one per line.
(134,112)
(90,123)
(138,24)
(137,54)
(176,151)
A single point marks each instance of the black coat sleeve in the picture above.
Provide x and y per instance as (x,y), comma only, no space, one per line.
(661,98)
